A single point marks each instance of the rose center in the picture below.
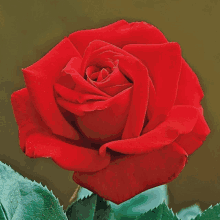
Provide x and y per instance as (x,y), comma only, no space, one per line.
(98,74)
(108,77)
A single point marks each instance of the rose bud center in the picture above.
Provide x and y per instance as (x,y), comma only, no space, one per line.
(97,74)
(108,79)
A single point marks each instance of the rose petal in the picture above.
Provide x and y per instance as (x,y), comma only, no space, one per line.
(103,74)
(136,71)
(133,69)
(101,53)
(37,140)
(124,178)
(181,120)
(119,34)
(97,105)
(114,83)
(76,97)
(102,57)
(104,120)
(151,101)
(66,81)
(69,156)
(115,78)
(74,63)
(81,85)
(92,72)
(114,90)
(164,65)
(40,78)
(189,90)
(27,118)
(193,140)
(82,38)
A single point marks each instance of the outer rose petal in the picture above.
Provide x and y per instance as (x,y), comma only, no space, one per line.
(36,139)
(40,78)
(193,140)
(26,116)
(69,156)
(181,120)
(189,90)
(119,34)
(124,178)
(164,65)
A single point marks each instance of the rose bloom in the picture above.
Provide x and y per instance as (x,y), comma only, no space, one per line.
(118,105)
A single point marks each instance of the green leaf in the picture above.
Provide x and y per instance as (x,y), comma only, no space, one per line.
(24,199)
(137,205)
(211,213)
(162,212)
(91,207)
(3,215)
(82,209)
(103,210)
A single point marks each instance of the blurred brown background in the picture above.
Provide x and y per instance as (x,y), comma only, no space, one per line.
(29,29)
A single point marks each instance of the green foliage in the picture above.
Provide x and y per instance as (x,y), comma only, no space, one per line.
(94,207)
(90,208)
(162,212)
(82,209)
(2,213)
(21,198)
(103,210)
(212,213)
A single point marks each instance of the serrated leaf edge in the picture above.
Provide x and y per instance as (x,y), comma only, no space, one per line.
(162,204)
(33,182)
(208,209)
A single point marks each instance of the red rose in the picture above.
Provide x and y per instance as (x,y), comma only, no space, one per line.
(118,105)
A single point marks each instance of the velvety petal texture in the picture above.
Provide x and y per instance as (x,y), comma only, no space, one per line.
(37,140)
(119,34)
(128,176)
(40,78)
(117,104)
(181,120)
